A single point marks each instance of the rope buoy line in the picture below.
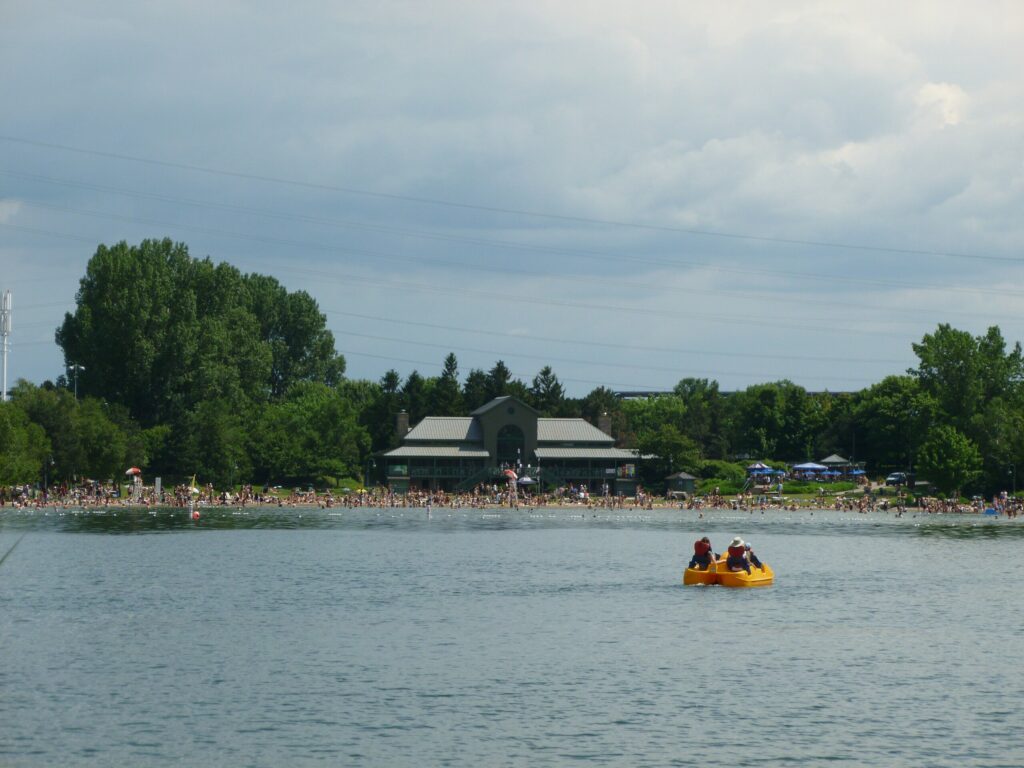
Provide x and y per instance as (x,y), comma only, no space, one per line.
(13,546)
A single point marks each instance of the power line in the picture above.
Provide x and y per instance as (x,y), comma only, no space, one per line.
(576,253)
(494,209)
(504,297)
(547,359)
(609,345)
(404,231)
(48,232)
(548,339)
(524,299)
(519,375)
(33,343)
(34,324)
(573,342)
(520,299)
(463,265)
(46,304)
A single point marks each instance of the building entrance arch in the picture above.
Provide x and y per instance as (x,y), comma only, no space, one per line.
(511,445)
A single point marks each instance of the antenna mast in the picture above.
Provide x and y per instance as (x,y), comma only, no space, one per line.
(5,331)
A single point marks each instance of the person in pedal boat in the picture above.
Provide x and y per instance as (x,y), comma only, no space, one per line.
(751,556)
(737,556)
(702,554)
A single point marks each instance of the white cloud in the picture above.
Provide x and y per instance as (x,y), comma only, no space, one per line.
(942,102)
(8,210)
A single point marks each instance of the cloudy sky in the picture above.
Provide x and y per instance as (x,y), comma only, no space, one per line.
(742,191)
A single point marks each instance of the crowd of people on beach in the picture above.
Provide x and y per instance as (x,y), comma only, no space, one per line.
(483,496)
(1001,504)
(184,495)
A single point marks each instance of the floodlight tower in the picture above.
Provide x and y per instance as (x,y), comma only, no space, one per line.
(5,331)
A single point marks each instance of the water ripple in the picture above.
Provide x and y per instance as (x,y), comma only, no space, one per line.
(384,637)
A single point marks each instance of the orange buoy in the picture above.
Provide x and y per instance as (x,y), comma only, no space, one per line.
(195,514)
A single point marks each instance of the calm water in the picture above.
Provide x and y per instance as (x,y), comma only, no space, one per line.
(348,637)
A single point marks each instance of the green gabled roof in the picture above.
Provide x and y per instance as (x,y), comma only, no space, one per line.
(438,452)
(835,459)
(570,431)
(445,428)
(499,401)
(596,452)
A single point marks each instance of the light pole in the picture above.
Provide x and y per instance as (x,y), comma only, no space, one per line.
(910,440)
(75,368)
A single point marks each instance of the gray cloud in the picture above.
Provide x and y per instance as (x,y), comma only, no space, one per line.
(876,125)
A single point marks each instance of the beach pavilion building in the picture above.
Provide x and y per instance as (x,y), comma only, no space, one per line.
(457,453)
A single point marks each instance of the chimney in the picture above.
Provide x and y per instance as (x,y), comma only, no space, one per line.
(401,425)
(604,423)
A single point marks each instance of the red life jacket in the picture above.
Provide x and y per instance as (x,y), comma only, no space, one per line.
(737,551)
(701,547)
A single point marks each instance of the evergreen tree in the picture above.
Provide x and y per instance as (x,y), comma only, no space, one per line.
(498,380)
(547,394)
(414,397)
(446,397)
(475,392)
(379,416)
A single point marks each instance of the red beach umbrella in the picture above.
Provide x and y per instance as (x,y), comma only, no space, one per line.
(133,471)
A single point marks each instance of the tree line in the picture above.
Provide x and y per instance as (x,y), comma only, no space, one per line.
(185,367)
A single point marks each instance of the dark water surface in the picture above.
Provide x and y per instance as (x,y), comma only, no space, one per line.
(352,637)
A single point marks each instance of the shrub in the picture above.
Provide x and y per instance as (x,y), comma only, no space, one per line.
(803,486)
(725,487)
(723,472)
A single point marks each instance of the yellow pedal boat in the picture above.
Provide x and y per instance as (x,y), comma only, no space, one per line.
(693,576)
(758,577)
(718,573)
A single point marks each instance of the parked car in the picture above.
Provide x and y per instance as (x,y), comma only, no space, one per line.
(896,478)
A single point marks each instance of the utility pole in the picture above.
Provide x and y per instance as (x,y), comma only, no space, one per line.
(5,331)
(75,368)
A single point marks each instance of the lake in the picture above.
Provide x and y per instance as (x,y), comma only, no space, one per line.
(364,637)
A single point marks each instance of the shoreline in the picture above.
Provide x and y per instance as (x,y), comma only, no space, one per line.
(78,507)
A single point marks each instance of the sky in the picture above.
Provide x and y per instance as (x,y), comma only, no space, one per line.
(738,191)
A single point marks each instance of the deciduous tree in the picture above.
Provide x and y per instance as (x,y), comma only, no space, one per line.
(949,459)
